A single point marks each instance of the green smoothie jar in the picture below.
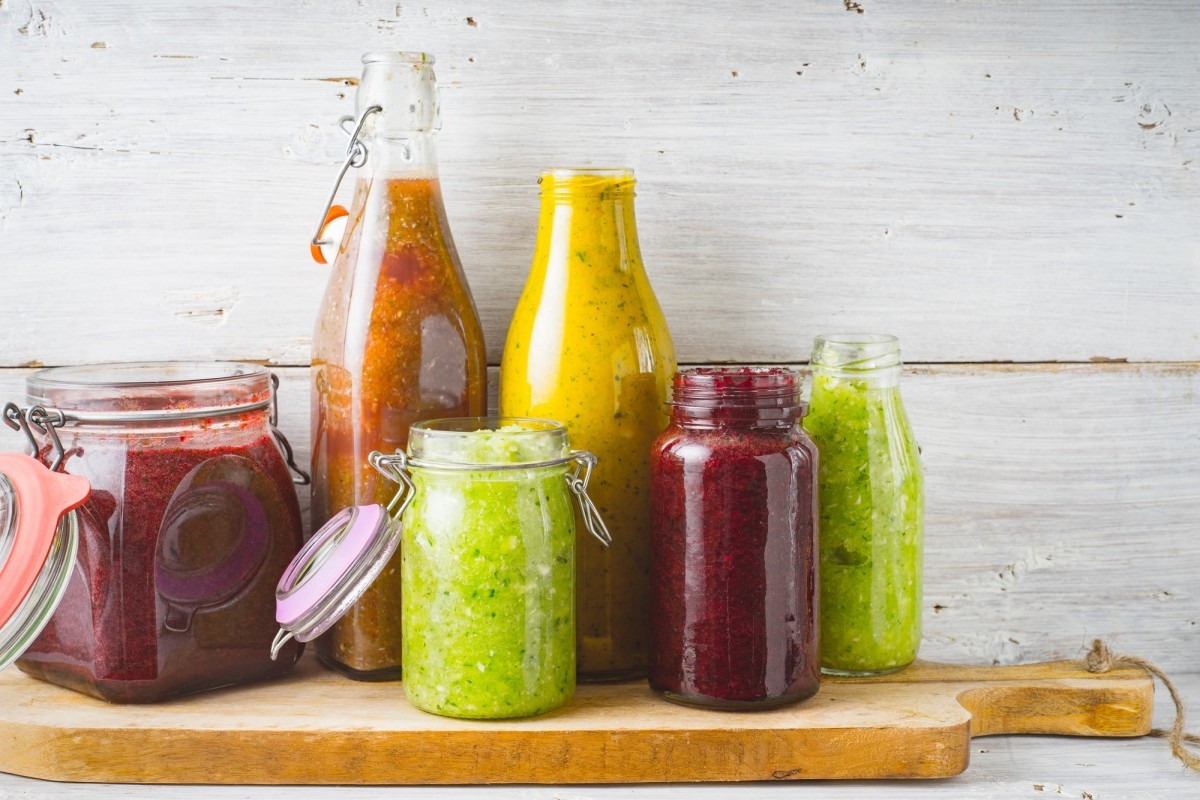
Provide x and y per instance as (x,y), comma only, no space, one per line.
(486,531)
(488,568)
(872,506)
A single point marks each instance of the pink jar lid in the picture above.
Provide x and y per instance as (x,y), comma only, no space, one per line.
(339,563)
(39,537)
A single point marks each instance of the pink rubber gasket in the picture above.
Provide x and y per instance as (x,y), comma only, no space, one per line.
(42,497)
(293,602)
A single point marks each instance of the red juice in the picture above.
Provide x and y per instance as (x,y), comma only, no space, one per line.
(734,541)
(191,522)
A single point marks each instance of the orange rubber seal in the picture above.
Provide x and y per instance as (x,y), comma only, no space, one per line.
(335,212)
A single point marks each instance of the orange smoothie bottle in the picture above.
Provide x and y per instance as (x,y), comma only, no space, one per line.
(588,346)
(397,339)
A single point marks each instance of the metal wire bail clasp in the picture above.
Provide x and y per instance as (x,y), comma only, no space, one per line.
(578,482)
(356,156)
(301,478)
(14,417)
(395,468)
(45,421)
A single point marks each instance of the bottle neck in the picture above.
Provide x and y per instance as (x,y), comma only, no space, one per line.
(888,378)
(587,221)
(412,156)
(870,358)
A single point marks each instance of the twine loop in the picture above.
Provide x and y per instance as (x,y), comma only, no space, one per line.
(1101,659)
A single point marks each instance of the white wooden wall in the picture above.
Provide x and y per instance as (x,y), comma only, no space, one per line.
(1011,187)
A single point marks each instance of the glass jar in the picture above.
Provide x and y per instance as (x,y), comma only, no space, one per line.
(588,345)
(872,506)
(488,569)
(397,338)
(734,577)
(191,521)
(487,565)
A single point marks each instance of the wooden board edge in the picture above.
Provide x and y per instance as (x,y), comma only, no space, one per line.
(483,757)
(921,671)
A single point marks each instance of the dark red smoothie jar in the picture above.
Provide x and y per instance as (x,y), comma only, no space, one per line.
(192,519)
(734,534)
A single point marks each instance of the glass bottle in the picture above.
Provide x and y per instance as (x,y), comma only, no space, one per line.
(397,339)
(191,521)
(872,506)
(734,576)
(588,345)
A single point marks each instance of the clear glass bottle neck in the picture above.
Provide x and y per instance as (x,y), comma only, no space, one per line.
(588,187)
(871,358)
(400,108)
(411,156)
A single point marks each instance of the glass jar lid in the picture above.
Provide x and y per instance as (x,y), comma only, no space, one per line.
(148,393)
(39,537)
(340,562)
(151,390)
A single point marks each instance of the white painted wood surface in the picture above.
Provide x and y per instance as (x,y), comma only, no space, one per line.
(992,181)
(988,180)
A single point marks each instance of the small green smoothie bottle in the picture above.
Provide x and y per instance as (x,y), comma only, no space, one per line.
(872,507)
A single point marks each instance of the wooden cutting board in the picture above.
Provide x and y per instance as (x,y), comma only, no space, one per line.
(318,728)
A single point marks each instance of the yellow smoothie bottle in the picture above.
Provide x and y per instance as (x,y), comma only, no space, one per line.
(589,346)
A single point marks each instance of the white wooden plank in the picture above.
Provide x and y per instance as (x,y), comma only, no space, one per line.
(989,180)
(1062,505)
(1002,768)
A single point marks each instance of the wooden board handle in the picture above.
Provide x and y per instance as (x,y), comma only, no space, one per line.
(1057,697)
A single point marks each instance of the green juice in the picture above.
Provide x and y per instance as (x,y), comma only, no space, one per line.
(488,579)
(871,495)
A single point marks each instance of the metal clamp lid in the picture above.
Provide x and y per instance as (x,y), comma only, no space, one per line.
(577,480)
(47,421)
(337,565)
(299,477)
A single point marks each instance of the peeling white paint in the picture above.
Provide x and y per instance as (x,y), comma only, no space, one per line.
(204,306)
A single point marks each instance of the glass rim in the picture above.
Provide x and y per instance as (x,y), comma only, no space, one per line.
(221,372)
(570,182)
(48,591)
(598,172)
(434,433)
(858,338)
(151,391)
(398,57)
(458,426)
(855,353)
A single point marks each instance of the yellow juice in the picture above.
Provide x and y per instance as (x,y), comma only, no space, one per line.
(589,347)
